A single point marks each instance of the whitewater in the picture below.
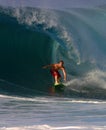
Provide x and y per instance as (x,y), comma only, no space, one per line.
(51,113)
(32,37)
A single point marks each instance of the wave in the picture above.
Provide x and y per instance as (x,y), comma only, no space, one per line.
(48,99)
(33,37)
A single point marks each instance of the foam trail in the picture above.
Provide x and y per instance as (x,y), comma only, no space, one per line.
(93,78)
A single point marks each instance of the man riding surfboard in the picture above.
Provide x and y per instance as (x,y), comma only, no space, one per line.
(54,69)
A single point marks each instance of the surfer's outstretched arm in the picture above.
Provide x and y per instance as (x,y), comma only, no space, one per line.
(47,66)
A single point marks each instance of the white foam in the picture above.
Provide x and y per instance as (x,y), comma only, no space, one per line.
(40,99)
(47,127)
(96,78)
(51,99)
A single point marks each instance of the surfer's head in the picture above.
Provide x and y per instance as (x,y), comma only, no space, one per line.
(61,62)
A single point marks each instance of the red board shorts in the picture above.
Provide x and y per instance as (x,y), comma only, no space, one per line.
(55,73)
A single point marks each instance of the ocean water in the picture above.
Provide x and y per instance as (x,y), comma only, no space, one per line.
(32,37)
(51,113)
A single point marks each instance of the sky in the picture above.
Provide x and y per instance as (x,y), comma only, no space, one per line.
(55,4)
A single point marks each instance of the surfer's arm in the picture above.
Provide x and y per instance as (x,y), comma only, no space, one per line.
(47,66)
(64,73)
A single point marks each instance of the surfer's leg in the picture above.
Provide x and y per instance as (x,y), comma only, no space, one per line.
(56,76)
(56,79)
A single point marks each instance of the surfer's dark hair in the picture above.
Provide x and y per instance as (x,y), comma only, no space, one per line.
(62,61)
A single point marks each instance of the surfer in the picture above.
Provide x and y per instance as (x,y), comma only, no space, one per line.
(54,69)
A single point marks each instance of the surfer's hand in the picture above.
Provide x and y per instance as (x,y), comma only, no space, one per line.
(44,67)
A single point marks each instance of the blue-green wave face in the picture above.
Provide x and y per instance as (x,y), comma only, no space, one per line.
(32,37)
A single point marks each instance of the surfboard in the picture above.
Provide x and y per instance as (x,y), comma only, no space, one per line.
(56,89)
(59,88)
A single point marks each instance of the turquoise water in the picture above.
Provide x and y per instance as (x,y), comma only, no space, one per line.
(33,37)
